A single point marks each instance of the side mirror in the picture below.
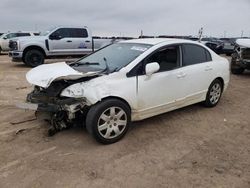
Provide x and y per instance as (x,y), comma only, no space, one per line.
(55,36)
(151,68)
(4,38)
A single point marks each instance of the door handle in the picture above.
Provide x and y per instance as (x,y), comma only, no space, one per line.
(181,75)
(208,68)
(69,41)
(87,41)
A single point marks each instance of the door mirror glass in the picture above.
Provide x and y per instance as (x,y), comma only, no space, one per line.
(151,68)
(55,36)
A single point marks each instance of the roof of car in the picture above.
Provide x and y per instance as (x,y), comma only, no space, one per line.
(154,41)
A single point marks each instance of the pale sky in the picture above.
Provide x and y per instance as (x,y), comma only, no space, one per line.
(129,17)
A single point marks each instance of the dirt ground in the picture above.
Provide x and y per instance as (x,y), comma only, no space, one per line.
(190,147)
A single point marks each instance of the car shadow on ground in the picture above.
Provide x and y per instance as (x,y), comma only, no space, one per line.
(246,74)
(163,122)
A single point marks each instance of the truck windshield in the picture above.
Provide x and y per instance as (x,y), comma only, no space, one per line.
(44,33)
(112,57)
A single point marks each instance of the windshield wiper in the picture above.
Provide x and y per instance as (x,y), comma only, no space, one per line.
(85,63)
(107,69)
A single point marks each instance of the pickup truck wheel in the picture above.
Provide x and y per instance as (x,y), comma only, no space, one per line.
(108,121)
(33,58)
(213,94)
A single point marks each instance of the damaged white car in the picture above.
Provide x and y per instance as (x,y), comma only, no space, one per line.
(128,81)
(241,56)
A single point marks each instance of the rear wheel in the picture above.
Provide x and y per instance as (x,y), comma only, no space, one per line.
(214,93)
(34,58)
(108,121)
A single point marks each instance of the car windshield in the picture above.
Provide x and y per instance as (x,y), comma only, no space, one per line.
(44,33)
(112,57)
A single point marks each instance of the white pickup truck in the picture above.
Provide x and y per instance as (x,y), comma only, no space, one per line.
(59,41)
(6,37)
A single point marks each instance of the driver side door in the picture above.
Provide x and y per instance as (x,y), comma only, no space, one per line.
(60,42)
(161,91)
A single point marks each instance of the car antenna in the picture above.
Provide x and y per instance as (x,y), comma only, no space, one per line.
(200,34)
(107,66)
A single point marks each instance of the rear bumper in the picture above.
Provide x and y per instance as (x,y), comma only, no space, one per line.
(16,55)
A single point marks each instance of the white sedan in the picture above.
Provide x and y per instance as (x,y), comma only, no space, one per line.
(127,81)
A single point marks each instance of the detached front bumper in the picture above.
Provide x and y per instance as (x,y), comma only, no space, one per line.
(16,55)
(69,105)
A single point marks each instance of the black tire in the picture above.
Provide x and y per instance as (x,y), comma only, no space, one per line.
(213,100)
(94,118)
(33,58)
(237,71)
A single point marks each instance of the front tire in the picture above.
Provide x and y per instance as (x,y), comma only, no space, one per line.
(34,58)
(214,93)
(108,121)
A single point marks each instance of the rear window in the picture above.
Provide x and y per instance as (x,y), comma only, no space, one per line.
(23,34)
(78,33)
(194,54)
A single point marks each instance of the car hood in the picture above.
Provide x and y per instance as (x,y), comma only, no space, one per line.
(44,75)
(243,42)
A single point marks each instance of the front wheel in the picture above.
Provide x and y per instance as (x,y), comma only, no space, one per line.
(214,93)
(33,58)
(108,121)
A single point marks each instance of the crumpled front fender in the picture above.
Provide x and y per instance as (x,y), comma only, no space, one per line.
(91,92)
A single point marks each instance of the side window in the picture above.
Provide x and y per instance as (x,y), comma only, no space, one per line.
(167,57)
(208,55)
(194,54)
(11,35)
(7,36)
(23,34)
(78,33)
(63,33)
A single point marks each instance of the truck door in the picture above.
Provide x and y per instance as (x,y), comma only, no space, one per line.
(81,41)
(68,41)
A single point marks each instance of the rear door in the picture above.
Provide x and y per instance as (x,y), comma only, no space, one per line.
(197,69)
(81,41)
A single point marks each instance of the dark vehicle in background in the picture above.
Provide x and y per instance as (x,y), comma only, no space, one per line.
(214,44)
(228,46)
(241,56)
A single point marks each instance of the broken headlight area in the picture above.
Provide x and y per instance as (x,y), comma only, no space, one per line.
(61,112)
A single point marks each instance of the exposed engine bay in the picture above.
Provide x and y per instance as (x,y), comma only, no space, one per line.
(60,111)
